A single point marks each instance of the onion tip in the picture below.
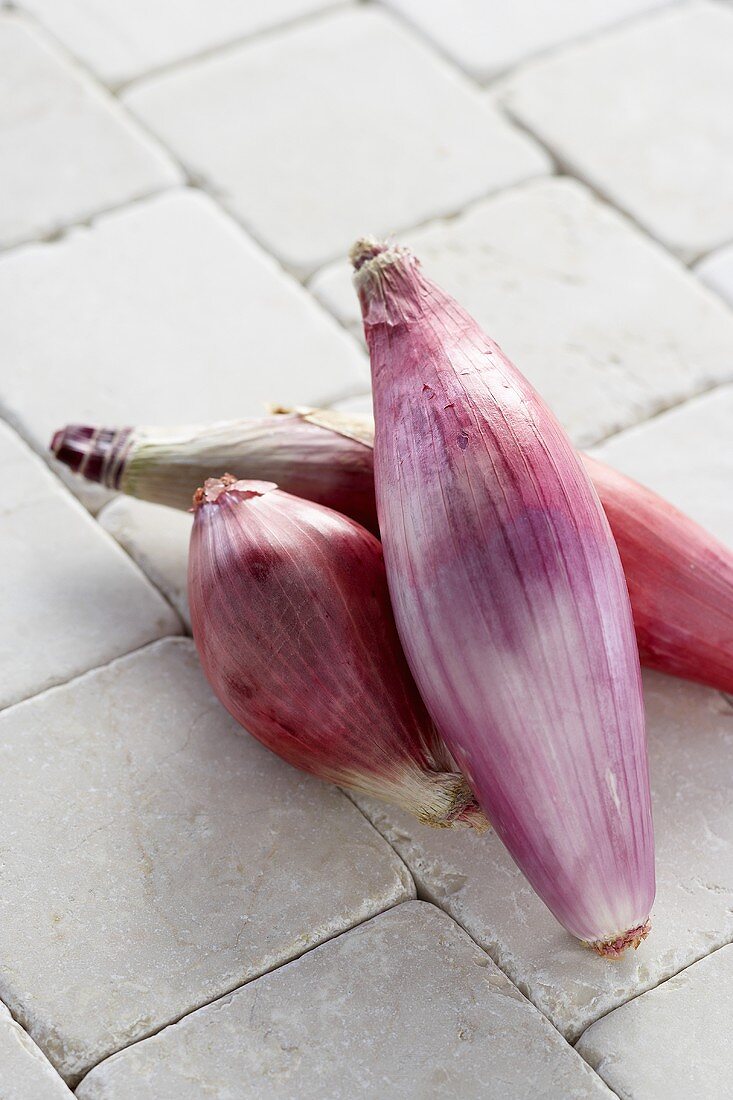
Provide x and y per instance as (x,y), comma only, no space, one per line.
(614,947)
(213,487)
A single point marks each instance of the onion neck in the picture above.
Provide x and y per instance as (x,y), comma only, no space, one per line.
(388,281)
(214,488)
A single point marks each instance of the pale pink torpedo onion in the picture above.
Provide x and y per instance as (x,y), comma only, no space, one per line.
(291,618)
(510,602)
(680,577)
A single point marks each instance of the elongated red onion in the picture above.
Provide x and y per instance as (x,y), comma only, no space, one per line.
(291,618)
(313,453)
(510,602)
(680,578)
(680,581)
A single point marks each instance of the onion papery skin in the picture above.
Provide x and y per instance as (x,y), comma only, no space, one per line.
(510,602)
(680,581)
(292,622)
(315,454)
(679,577)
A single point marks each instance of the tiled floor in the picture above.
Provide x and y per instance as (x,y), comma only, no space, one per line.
(181,914)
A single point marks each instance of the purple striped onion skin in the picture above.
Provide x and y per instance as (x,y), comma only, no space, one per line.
(292,621)
(510,602)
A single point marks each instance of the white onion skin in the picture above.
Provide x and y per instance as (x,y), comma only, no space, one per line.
(510,602)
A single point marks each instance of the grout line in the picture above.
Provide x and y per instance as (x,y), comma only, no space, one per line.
(424,894)
(568,169)
(48,1063)
(488,84)
(242,985)
(170,68)
(28,699)
(445,217)
(58,684)
(653,988)
(54,236)
(661,411)
(545,53)
(186,631)
(426,40)
(727,243)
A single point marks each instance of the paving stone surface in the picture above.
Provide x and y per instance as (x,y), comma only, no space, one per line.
(607,326)
(687,1025)
(157,539)
(472,878)
(486,39)
(67,150)
(361,403)
(71,600)
(25,1073)
(123,41)
(308,174)
(156,857)
(686,456)
(357,1017)
(171,173)
(717,271)
(163,313)
(643,113)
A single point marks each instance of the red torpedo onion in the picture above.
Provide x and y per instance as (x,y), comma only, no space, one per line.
(680,578)
(510,601)
(291,618)
(315,453)
(680,581)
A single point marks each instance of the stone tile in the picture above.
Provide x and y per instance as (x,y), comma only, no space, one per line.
(350,151)
(157,539)
(685,455)
(404,1006)
(71,599)
(164,313)
(486,39)
(473,879)
(607,326)
(25,1074)
(717,271)
(685,1023)
(361,404)
(156,858)
(643,113)
(122,41)
(67,150)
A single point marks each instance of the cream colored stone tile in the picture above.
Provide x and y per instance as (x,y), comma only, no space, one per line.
(156,538)
(686,456)
(67,149)
(25,1074)
(343,126)
(156,857)
(71,599)
(675,1041)
(716,270)
(643,113)
(403,1008)
(486,39)
(163,313)
(121,41)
